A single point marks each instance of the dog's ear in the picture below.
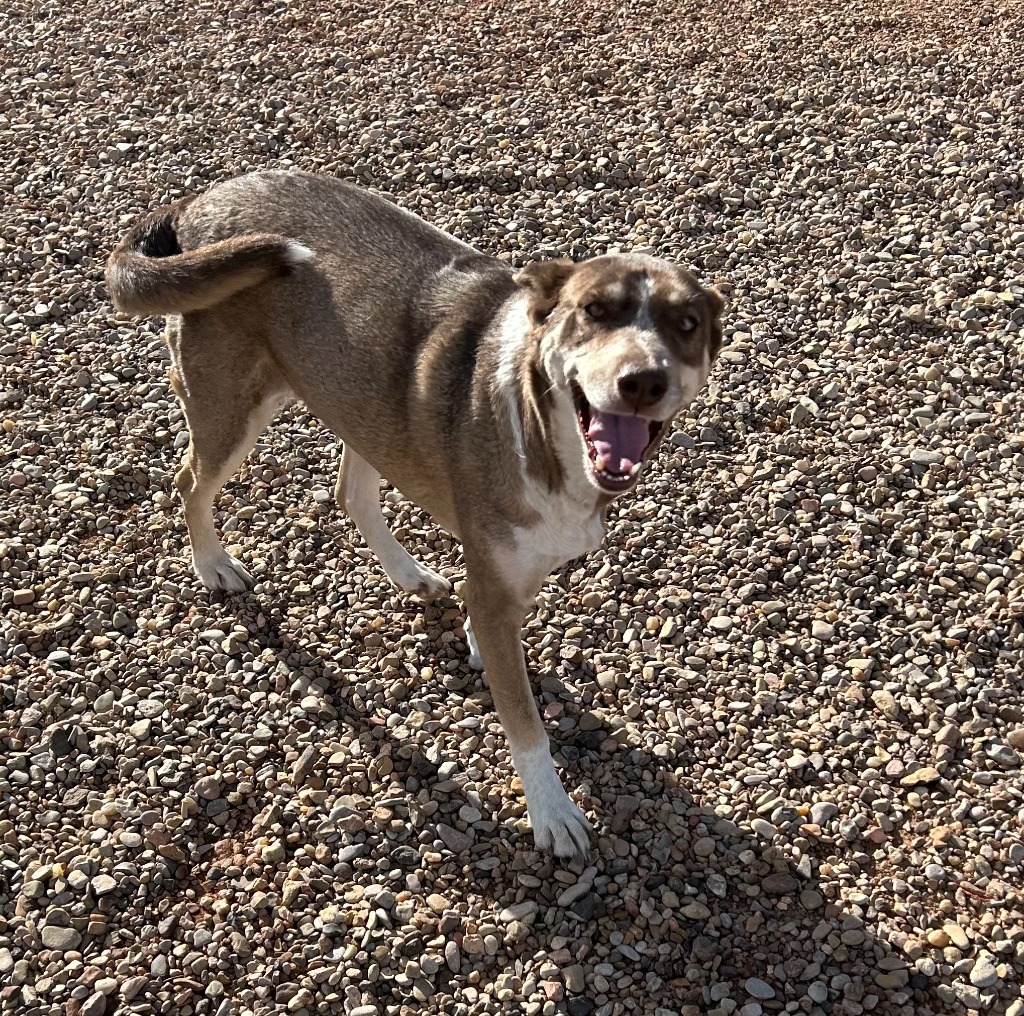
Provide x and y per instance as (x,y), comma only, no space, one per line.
(543,281)
(716,304)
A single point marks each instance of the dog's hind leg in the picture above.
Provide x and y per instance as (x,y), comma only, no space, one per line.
(227,405)
(358,490)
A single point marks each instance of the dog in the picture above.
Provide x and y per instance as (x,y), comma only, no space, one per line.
(513,406)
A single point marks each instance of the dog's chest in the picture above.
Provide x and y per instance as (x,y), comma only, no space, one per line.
(565,529)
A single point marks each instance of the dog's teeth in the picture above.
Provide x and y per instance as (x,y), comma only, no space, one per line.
(599,463)
(635,469)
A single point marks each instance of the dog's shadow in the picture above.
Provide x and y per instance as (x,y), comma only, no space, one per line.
(698,908)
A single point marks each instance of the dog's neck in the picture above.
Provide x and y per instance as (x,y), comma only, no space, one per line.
(542,416)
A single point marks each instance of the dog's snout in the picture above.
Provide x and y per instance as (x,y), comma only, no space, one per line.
(643,388)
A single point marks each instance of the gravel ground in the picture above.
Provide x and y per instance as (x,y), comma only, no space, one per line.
(789,689)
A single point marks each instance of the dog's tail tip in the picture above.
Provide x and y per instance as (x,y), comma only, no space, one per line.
(296,253)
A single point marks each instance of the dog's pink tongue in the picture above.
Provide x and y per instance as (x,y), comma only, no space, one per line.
(620,440)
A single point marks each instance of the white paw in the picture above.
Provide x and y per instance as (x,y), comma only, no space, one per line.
(420,581)
(475,662)
(558,825)
(221,572)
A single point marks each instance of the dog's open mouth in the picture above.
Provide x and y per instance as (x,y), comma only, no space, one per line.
(615,443)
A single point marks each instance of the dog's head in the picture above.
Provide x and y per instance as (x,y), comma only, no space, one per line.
(631,339)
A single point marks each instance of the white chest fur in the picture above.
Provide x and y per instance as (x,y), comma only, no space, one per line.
(566,529)
(569,522)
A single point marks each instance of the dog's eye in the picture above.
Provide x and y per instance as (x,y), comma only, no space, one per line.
(687,324)
(595,310)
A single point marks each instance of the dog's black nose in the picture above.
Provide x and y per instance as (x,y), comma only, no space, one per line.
(643,388)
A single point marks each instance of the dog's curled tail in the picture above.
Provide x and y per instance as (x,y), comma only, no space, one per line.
(150,274)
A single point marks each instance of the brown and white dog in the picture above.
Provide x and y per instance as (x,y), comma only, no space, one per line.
(512,406)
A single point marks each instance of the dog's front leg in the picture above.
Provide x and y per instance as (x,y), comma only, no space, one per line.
(498,610)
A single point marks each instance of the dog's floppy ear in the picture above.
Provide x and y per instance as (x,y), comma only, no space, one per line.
(543,281)
(716,304)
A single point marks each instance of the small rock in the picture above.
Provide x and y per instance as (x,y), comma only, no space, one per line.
(94,1005)
(133,986)
(64,939)
(886,703)
(454,840)
(957,935)
(822,631)
(140,729)
(626,806)
(811,899)
(781,883)
(102,884)
(704,847)
(524,911)
(306,763)
(817,992)
(575,980)
(273,853)
(926,774)
(758,989)
(1002,754)
(822,811)
(969,996)
(983,973)
(208,787)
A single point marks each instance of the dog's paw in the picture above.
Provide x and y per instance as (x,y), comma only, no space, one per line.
(424,583)
(559,827)
(223,573)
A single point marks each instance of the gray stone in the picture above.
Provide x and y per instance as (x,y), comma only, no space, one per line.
(758,988)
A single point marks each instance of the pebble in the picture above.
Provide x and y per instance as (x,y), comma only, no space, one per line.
(780,883)
(208,788)
(519,911)
(822,812)
(103,883)
(63,939)
(758,988)
(924,775)
(1002,754)
(886,703)
(94,1005)
(956,935)
(817,992)
(983,972)
(453,839)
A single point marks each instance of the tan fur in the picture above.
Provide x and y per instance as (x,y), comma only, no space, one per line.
(439,370)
